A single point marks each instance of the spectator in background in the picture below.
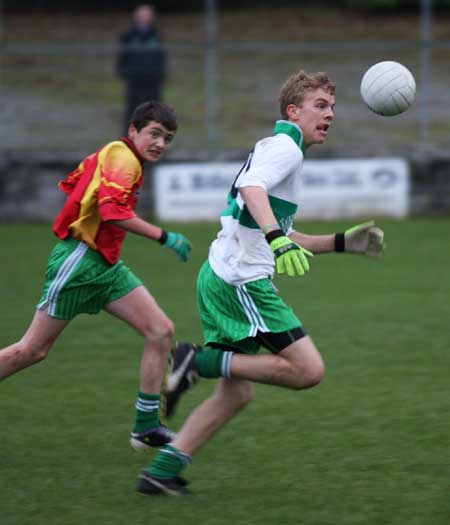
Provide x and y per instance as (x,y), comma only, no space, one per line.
(142,61)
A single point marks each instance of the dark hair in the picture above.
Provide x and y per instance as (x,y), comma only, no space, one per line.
(154,111)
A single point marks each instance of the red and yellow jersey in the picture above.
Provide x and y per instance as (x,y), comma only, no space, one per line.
(101,189)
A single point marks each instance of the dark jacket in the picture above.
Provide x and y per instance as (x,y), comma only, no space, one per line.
(141,55)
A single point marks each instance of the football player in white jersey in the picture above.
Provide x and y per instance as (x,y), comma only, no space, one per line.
(240,309)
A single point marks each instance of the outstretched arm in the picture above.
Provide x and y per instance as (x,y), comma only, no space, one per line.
(363,239)
(140,227)
(175,241)
(315,243)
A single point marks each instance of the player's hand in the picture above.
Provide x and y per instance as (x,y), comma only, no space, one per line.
(179,244)
(290,257)
(365,238)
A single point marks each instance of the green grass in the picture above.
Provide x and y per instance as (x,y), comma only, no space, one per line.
(368,446)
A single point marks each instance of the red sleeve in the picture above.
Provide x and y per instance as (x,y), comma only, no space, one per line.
(120,172)
(68,184)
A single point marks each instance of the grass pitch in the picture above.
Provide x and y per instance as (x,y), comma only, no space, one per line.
(367,446)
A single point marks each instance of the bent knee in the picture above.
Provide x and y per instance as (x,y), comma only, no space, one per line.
(310,375)
(168,329)
(31,354)
(40,354)
(314,375)
(244,396)
(238,398)
(163,330)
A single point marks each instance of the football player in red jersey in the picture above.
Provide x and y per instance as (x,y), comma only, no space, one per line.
(85,273)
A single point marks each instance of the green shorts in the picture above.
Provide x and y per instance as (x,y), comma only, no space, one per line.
(79,280)
(233,316)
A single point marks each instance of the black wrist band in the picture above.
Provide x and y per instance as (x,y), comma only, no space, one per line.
(163,238)
(339,242)
(274,234)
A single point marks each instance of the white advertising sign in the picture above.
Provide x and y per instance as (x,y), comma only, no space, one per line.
(328,189)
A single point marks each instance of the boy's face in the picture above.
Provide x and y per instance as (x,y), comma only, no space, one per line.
(314,116)
(152,141)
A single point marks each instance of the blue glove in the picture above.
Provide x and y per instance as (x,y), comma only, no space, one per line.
(179,244)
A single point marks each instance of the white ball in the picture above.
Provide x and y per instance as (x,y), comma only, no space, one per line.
(388,88)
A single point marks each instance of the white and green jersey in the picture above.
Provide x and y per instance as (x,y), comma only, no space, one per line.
(240,253)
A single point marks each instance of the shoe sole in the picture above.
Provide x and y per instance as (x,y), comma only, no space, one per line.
(175,378)
(138,446)
(154,488)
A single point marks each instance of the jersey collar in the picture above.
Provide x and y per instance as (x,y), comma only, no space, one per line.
(130,144)
(292,130)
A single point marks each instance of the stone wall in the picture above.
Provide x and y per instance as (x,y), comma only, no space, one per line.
(28,188)
(29,191)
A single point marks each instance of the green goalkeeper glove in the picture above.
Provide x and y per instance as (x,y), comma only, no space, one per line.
(290,257)
(178,243)
(363,238)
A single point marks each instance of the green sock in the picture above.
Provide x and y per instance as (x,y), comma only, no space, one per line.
(212,362)
(147,415)
(168,463)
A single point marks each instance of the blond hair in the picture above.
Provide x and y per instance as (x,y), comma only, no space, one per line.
(295,87)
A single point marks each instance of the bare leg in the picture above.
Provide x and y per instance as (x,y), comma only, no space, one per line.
(140,310)
(34,345)
(298,366)
(231,397)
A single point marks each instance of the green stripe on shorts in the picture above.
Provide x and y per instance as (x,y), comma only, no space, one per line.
(79,280)
(230,315)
